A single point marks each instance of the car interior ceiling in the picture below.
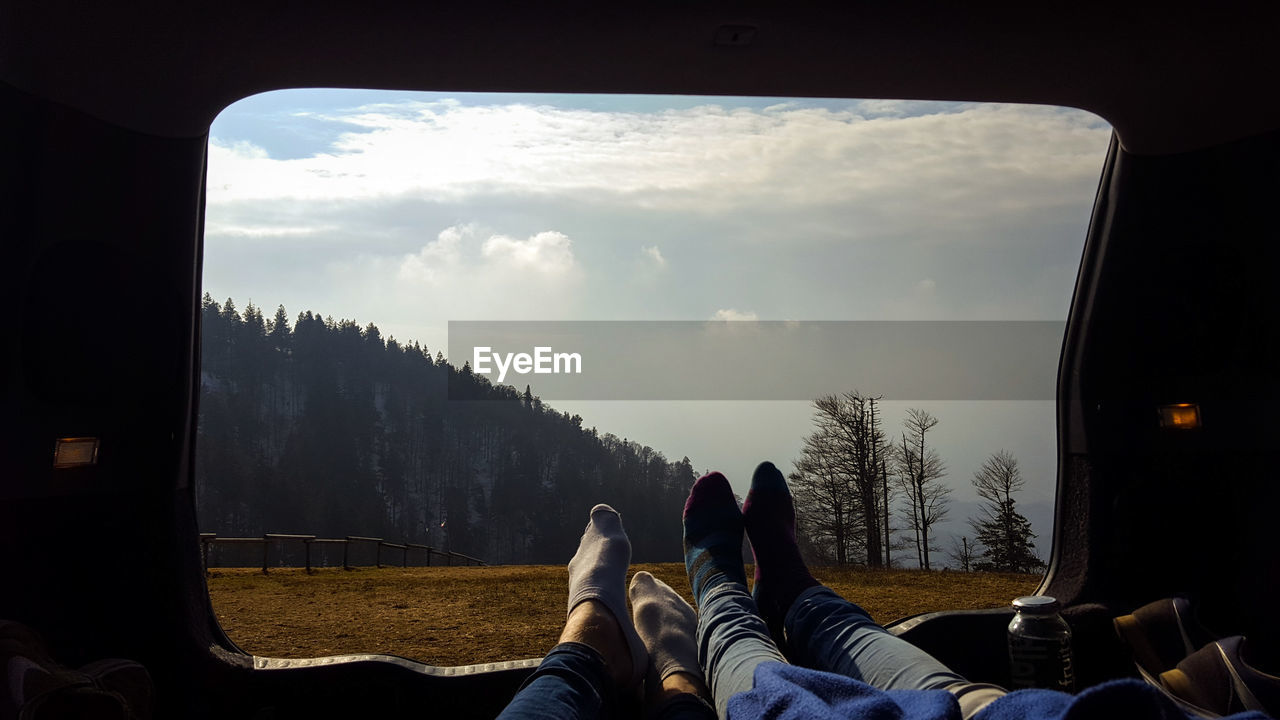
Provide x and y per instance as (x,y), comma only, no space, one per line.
(107,109)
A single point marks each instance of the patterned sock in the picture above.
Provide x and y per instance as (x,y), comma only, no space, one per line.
(712,536)
(598,571)
(770,519)
(667,625)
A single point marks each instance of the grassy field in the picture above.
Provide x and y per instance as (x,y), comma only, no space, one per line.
(464,615)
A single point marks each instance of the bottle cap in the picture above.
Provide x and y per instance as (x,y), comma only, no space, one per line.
(1036,604)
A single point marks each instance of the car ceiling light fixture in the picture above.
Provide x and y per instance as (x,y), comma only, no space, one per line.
(735,35)
(75,452)
(1180,416)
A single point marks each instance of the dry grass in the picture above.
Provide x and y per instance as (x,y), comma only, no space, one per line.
(463,615)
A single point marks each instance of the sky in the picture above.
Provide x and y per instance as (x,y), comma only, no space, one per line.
(410,210)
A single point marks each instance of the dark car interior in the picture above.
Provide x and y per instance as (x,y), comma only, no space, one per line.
(106,112)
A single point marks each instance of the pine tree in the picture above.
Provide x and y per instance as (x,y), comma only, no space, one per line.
(1005,534)
(280,331)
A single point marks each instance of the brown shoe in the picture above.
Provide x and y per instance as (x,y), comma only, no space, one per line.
(1161,634)
(1217,678)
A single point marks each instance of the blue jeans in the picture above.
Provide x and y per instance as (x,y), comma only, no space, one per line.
(824,632)
(572,683)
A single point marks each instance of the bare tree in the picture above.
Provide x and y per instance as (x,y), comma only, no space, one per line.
(962,553)
(1004,533)
(826,508)
(920,473)
(870,463)
(893,538)
(886,497)
(845,457)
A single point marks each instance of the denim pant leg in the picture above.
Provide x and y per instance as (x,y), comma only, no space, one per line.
(826,632)
(572,683)
(683,707)
(732,641)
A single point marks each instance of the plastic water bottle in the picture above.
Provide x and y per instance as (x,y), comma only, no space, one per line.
(1040,645)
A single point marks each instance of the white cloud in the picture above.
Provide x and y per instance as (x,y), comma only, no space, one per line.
(437,258)
(459,250)
(466,272)
(654,254)
(731,314)
(932,168)
(548,252)
(261,230)
(865,198)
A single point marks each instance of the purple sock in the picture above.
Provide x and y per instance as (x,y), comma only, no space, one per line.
(770,520)
(712,536)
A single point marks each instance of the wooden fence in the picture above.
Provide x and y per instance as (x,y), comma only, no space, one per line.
(270,540)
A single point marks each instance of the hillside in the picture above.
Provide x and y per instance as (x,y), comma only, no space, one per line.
(323,427)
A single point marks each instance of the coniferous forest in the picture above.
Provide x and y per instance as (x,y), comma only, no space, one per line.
(323,427)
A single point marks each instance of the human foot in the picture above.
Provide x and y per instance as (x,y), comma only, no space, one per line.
(770,519)
(668,626)
(712,536)
(597,597)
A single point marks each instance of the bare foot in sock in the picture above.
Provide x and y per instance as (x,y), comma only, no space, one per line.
(668,626)
(597,598)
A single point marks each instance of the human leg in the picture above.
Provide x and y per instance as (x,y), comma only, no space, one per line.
(571,683)
(598,572)
(827,632)
(676,688)
(599,658)
(581,678)
(732,637)
(769,518)
(823,630)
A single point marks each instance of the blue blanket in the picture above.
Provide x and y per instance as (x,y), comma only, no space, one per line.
(787,692)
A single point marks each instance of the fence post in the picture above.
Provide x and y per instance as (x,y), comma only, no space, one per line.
(204,550)
(267,539)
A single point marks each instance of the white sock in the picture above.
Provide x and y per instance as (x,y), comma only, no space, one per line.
(667,624)
(598,571)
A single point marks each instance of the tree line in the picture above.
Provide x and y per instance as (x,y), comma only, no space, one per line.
(863,493)
(321,426)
